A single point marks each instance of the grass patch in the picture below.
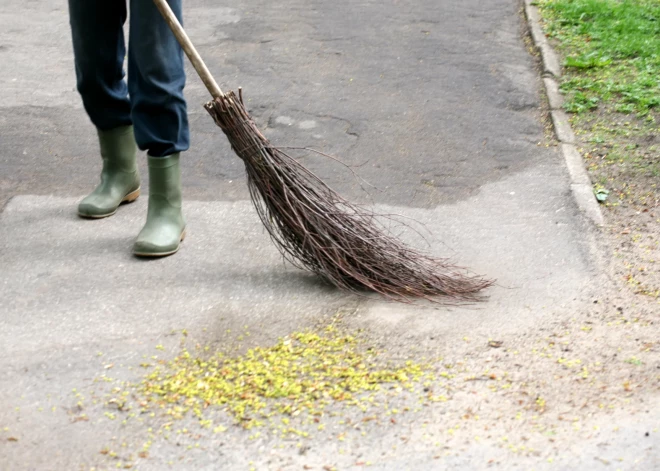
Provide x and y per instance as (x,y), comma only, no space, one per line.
(611,85)
(612,52)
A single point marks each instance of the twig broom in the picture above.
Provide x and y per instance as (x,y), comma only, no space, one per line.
(312,226)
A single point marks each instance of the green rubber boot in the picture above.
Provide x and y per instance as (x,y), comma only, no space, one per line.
(165,227)
(120,182)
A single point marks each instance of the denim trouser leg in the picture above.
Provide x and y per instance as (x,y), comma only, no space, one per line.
(156,76)
(99,50)
(156,79)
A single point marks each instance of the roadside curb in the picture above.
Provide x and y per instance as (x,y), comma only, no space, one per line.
(580,182)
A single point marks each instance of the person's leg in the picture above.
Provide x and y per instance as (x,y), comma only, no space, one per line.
(99,50)
(156,79)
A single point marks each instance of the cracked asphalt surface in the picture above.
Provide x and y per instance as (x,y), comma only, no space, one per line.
(430,99)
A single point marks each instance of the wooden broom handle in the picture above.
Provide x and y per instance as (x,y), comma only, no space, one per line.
(189,49)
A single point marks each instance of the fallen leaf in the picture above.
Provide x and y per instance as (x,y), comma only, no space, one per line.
(601,194)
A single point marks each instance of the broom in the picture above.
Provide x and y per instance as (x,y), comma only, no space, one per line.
(313,227)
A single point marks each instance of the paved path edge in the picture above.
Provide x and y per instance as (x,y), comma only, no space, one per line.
(581,185)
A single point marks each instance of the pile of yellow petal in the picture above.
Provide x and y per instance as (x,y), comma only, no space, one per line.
(302,374)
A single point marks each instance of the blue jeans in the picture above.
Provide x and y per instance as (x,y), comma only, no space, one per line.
(153,99)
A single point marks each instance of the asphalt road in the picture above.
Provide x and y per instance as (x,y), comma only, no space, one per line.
(435,103)
(431,99)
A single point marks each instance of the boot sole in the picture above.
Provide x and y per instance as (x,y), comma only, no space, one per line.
(129,198)
(162,254)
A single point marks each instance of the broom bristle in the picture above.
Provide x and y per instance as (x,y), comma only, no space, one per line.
(316,229)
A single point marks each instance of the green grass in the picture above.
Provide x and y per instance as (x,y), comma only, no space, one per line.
(611,85)
(612,51)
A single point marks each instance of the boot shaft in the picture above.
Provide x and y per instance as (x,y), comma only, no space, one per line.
(118,149)
(165,178)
